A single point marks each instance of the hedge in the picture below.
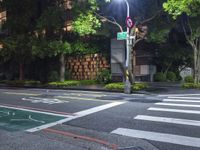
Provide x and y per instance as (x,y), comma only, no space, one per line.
(120,86)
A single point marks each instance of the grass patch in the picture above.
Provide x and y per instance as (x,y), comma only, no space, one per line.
(72,83)
(120,86)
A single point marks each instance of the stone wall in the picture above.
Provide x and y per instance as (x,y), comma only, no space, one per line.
(86,67)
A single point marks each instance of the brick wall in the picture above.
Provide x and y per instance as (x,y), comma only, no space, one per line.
(86,67)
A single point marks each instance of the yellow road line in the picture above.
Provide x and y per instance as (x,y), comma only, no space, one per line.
(85,99)
(15,93)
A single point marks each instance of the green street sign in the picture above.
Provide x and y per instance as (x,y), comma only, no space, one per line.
(122,36)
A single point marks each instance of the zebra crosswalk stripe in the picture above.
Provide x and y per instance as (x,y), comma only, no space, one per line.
(159,137)
(174,110)
(168,120)
(178,97)
(180,105)
(181,100)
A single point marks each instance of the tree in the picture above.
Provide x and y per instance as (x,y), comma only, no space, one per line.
(189,12)
(51,28)
(18,26)
(50,34)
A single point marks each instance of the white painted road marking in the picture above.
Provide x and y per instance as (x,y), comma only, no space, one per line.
(160,137)
(16,93)
(35,111)
(44,100)
(175,110)
(179,95)
(181,100)
(82,94)
(85,99)
(174,97)
(180,105)
(78,115)
(168,120)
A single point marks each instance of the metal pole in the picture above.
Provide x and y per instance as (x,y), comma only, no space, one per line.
(127,88)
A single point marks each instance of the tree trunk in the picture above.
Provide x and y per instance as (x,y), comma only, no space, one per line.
(132,65)
(195,66)
(62,67)
(21,71)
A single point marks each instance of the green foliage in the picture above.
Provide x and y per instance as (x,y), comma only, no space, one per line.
(21,18)
(21,82)
(159,36)
(189,79)
(120,86)
(85,21)
(139,86)
(60,47)
(115,86)
(171,76)
(52,18)
(53,76)
(82,48)
(177,7)
(86,24)
(104,76)
(159,77)
(87,82)
(72,83)
(16,47)
(64,84)
(191,86)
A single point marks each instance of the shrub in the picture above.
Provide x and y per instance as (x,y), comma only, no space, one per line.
(115,86)
(159,77)
(2,76)
(64,84)
(72,83)
(104,76)
(178,77)
(53,76)
(191,86)
(189,79)
(87,82)
(139,86)
(171,76)
(120,86)
(22,82)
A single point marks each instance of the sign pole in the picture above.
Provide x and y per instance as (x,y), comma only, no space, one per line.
(127,88)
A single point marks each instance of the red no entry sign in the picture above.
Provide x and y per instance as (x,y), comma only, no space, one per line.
(129,22)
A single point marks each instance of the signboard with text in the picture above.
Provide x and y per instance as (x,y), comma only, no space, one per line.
(122,36)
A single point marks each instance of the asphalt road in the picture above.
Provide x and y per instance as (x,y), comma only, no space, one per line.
(103,120)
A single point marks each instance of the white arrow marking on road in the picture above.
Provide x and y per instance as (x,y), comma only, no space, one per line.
(160,137)
(175,110)
(44,100)
(168,120)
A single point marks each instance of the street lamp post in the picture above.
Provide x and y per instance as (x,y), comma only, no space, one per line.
(127,88)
